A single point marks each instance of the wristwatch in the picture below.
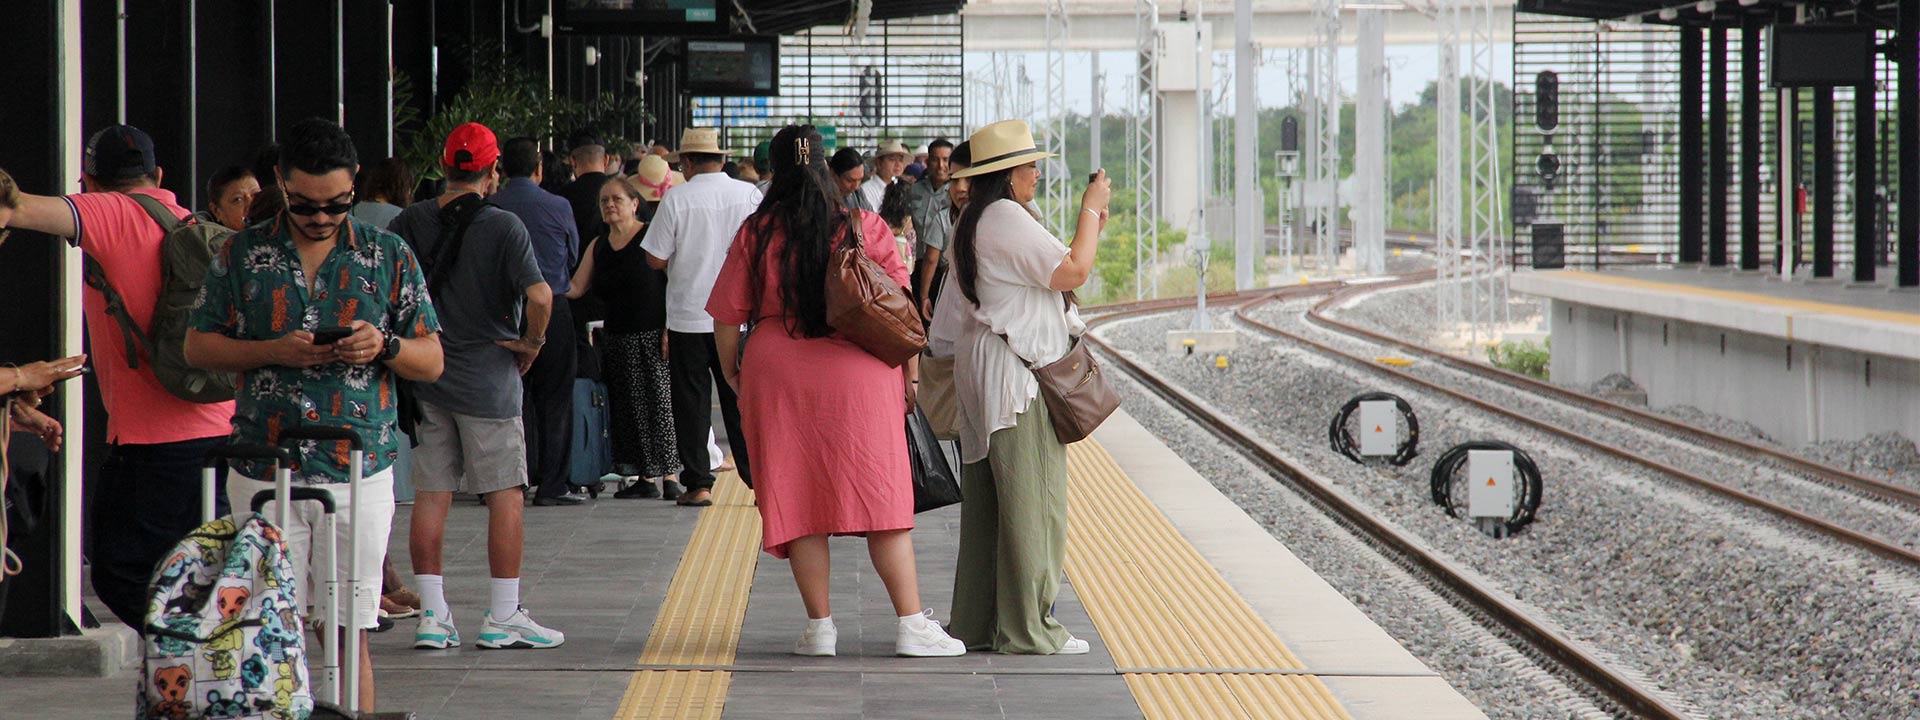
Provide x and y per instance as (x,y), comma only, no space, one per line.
(391,350)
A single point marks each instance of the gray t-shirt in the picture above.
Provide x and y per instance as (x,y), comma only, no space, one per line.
(479,302)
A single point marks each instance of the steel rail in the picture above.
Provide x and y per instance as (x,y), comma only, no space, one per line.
(1493,602)
(1879,546)
(1619,411)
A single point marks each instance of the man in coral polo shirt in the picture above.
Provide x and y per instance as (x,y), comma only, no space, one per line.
(147,496)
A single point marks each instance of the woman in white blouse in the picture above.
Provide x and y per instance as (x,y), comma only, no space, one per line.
(1015,279)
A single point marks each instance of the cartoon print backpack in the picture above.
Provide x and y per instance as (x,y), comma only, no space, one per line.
(223,638)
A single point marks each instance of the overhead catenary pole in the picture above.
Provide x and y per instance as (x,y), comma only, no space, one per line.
(1144,143)
(1325,160)
(1370,143)
(1248,203)
(1448,240)
(1198,242)
(1053,132)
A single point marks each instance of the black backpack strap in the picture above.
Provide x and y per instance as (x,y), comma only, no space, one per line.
(455,217)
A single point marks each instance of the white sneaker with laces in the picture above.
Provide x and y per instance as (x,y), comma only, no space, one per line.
(1074,646)
(517,632)
(920,636)
(819,639)
(435,634)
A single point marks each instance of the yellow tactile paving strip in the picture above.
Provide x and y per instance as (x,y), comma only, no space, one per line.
(699,623)
(1160,606)
(1809,306)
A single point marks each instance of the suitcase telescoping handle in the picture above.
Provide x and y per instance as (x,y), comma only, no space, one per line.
(280,457)
(345,680)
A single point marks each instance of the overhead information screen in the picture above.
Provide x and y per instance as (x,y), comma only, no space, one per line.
(641,17)
(733,66)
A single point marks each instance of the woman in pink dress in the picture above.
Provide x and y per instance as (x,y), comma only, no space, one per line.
(824,420)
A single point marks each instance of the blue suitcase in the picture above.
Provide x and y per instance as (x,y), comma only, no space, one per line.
(592,456)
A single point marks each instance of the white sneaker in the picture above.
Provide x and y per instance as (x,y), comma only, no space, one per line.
(920,636)
(818,640)
(517,632)
(1074,646)
(435,634)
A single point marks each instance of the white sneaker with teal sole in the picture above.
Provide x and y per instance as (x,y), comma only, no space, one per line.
(518,632)
(435,634)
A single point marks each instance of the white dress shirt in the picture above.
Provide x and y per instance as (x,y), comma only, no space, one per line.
(692,230)
(875,190)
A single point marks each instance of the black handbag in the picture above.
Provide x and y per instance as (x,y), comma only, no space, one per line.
(935,484)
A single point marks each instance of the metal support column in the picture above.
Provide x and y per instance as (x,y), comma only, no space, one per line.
(1448,169)
(1750,139)
(1719,184)
(1324,172)
(1823,177)
(1053,127)
(1249,210)
(1145,148)
(1906,48)
(1865,169)
(1691,191)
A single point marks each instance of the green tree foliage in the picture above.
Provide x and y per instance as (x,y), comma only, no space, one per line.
(508,98)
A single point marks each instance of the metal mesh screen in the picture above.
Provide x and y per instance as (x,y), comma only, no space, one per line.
(1617,190)
(904,80)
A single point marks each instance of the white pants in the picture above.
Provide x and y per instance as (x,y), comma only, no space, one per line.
(375,524)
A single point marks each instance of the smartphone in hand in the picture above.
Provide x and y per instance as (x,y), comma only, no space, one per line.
(331,335)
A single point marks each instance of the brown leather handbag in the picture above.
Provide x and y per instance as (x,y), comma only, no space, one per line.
(867,307)
(1078,397)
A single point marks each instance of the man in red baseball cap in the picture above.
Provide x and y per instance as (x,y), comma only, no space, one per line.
(483,276)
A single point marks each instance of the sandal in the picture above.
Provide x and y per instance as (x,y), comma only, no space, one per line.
(704,498)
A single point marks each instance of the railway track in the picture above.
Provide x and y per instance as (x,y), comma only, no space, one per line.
(1611,684)
(1875,544)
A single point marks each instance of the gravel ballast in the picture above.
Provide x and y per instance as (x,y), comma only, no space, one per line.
(1730,610)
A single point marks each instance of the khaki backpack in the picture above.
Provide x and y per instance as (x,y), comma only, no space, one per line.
(185,254)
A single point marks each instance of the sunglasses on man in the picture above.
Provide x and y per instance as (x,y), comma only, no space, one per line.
(308,210)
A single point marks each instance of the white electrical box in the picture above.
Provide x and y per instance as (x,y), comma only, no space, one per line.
(1180,44)
(1491,483)
(1379,435)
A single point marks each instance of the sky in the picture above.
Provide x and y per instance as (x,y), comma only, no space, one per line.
(1410,69)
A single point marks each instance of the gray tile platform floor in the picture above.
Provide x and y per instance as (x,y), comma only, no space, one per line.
(599,572)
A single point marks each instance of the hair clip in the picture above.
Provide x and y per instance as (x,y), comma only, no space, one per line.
(802,149)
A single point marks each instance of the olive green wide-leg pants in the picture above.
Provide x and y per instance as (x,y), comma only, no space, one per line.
(1013,540)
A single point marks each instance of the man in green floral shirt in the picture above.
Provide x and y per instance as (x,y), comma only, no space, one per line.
(275,300)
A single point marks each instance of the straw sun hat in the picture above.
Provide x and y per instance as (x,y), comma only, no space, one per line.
(701,140)
(653,178)
(1002,145)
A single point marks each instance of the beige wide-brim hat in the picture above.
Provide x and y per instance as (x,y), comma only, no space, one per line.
(1002,145)
(891,147)
(653,178)
(701,140)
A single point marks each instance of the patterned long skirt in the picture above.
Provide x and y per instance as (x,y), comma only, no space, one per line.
(641,396)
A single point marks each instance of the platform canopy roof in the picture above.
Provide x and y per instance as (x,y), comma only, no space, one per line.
(1721,13)
(781,17)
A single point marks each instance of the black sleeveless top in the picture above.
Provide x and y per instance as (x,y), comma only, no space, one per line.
(635,295)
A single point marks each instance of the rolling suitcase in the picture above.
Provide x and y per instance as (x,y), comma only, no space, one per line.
(592,456)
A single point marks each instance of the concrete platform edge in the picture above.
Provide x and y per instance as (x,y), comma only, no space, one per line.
(98,652)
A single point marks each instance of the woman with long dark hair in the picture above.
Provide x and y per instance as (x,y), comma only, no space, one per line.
(1007,306)
(824,419)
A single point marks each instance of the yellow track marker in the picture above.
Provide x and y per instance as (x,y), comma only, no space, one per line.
(1160,605)
(699,623)
(1395,361)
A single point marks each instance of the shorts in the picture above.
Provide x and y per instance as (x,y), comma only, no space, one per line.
(376,523)
(462,453)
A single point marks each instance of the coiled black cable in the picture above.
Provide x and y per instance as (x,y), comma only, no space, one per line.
(1450,463)
(1344,443)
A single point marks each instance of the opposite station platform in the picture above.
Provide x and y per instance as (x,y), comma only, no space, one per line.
(1803,360)
(1192,609)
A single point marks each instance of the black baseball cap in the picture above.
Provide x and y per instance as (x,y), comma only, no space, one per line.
(119,152)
